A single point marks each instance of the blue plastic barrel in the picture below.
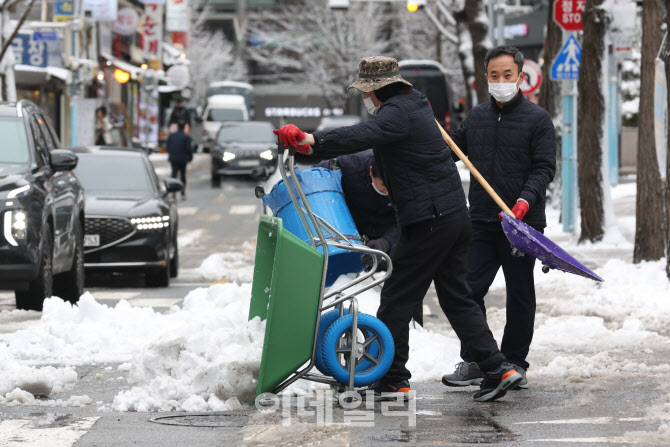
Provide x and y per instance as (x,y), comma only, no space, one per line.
(323,189)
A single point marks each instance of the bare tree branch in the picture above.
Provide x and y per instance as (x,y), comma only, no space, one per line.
(24,16)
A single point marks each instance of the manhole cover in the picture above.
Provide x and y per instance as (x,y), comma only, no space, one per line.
(203,420)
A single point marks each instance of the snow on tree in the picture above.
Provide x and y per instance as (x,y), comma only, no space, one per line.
(213,58)
(319,46)
(630,87)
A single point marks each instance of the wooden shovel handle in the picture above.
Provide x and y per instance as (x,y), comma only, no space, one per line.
(474,171)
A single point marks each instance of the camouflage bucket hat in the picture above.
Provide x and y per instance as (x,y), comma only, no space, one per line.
(377,72)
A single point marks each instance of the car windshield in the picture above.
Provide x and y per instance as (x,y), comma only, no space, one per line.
(225,115)
(256,132)
(107,173)
(14,142)
(230,90)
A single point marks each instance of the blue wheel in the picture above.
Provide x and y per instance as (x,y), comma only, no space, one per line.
(325,322)
(335,349)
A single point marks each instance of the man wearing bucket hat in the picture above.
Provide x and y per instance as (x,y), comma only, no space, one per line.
(425,190)
(512,142)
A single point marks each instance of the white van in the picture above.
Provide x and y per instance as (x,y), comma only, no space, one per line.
(222,108)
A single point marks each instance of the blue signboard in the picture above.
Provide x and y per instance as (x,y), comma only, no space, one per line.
(28,51)
(566,65)
(63,10)
(45,36)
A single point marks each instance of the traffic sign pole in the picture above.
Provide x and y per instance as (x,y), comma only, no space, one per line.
(569,153)
(613,116)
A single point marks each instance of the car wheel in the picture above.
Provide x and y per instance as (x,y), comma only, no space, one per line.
(42,286)
(159,276)
(70,285)
(216,180)
(174,262)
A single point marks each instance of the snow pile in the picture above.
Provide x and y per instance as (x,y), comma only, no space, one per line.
(188,238)
(234,266)
(199,363)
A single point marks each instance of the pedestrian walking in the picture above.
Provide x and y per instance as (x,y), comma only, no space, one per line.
(512,142)
(180,153)
(368,201)
(425,190)
(103,127)
(179,114)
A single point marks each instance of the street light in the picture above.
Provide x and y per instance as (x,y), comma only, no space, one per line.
(415,5)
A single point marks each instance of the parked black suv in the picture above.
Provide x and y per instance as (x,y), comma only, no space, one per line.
(41,210)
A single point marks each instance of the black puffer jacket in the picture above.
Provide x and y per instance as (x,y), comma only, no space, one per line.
(413,159)
(514,148)
(373,214)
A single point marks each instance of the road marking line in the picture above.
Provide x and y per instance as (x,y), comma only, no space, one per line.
(154,302)
(604,439)
(243,209)
(113,296)
(594,420)
(15,432)
(187,210)
(210,217)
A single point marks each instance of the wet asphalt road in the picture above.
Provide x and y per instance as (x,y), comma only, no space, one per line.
(226,217)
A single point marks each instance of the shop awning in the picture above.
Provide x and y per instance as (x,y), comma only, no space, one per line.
(29,75)
(123,65)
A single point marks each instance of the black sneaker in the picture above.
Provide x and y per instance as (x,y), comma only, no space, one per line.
(523,384)
(389,391)
(465,374)
(496,383)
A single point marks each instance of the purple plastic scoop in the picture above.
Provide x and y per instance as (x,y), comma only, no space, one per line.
(530,241)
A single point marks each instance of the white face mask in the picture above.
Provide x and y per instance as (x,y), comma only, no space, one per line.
(504,91)
(372,108)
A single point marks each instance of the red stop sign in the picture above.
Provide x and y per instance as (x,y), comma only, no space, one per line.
(568,14)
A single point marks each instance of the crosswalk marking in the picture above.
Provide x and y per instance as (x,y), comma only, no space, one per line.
(597,440)
(243,209)
(187,210)
(210,217)
(18,432)
(593,420)
(111,295)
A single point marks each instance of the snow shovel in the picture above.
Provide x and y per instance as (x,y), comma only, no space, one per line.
(521,236)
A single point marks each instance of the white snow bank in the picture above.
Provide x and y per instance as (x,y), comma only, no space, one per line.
(234,266)
(188,238)
(208,358)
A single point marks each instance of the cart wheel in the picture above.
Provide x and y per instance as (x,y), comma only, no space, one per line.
(545,268)
(325,322)
(335,350)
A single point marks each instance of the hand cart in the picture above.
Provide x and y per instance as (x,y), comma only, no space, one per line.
(349,348)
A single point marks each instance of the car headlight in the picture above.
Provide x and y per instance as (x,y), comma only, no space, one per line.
(150,222)
(17,191)
(15,227)
(267,155)
(227,156)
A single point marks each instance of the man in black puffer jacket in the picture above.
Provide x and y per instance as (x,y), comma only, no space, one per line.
(426,192)
(367,200)
(512,143)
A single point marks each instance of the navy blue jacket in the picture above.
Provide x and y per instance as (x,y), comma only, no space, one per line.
(373,214)
(179,147)
(514,148)
(413,159)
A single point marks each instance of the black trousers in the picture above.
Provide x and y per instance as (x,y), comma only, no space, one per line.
(435,250)
(489,251)
(180,168)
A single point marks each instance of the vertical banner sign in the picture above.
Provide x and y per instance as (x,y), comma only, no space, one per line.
(153,34)
(661,117)
(148,115)
(177,16)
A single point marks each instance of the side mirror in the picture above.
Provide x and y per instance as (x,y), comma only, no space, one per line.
(173,185)
(63,160)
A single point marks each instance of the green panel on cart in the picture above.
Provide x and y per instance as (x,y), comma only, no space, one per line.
(285,292)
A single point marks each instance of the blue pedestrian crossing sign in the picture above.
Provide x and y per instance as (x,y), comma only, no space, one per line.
(566,65)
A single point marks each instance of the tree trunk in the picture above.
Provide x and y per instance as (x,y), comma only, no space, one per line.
(666,58)
(475,11)
(590,117)
(550,91)
(649,234)
(550,95)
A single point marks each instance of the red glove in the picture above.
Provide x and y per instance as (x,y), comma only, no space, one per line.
(291,135)
(520,209)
